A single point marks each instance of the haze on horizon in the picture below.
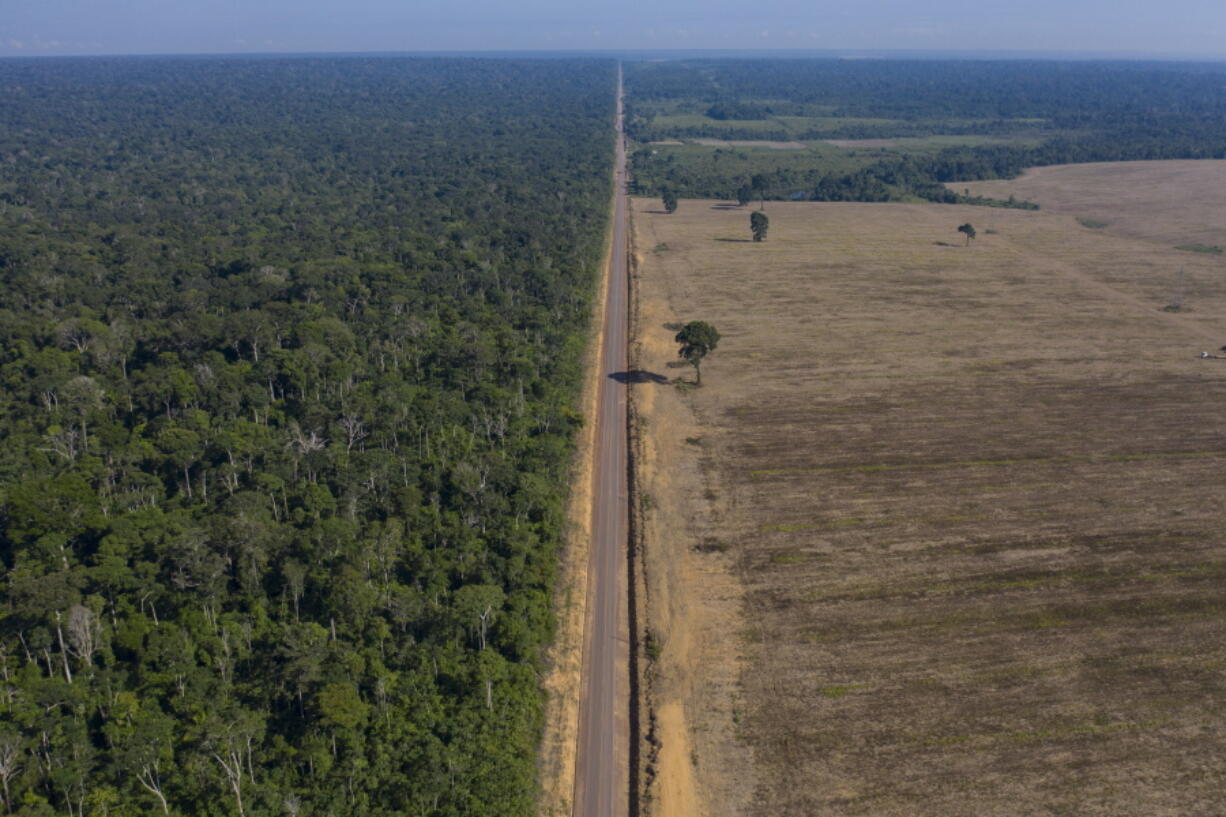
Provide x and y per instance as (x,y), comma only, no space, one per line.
(1178,28)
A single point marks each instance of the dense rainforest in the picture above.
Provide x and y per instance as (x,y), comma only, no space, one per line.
(1024,113)
(289,351)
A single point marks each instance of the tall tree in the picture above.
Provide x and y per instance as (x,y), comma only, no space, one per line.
(698,339)
(10,763)
(670,201)
(759,224)
(759,185)
(968,231)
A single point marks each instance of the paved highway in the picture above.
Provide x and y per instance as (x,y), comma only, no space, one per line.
(601,774)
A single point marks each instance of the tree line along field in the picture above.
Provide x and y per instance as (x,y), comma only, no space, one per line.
(894,130)
(289,352)
(951,518)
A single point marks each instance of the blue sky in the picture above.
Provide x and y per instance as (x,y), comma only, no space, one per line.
(57,27)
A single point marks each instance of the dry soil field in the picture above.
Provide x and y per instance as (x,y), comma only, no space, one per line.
(1175,202)
(943,533)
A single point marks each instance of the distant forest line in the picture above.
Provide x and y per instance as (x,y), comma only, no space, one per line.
(290,352)
(1021,113)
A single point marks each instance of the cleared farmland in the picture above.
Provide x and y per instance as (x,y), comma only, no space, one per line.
(942,533)
(1170,202)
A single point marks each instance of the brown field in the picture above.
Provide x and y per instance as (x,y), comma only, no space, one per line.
(1170,202)
(943,531)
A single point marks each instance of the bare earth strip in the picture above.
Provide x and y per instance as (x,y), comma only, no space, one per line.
(942,532)
(1174,202)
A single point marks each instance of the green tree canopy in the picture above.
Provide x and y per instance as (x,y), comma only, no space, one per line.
(291,350)
(698,339)
(758,225)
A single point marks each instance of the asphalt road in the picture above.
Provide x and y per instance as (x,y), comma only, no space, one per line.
(601,774)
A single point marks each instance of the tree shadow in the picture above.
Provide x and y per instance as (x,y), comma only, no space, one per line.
(734,240)
(945,244)
(726,207)
(639,376)
(656,212)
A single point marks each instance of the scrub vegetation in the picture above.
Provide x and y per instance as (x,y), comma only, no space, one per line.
(290,352)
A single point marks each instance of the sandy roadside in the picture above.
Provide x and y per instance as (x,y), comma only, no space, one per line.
(690,601)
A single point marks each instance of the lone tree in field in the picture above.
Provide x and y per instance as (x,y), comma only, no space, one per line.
(698,339)
(744,195)
(969,231)
(759,224)
(759,185)
(670,201)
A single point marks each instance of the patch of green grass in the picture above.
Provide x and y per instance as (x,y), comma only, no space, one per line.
(687,120)
(790,557)
(660,248)
(1045,621)
(802,124)
(1211,249)
(652,647)
(839,690)
(940,141)
(1093,223)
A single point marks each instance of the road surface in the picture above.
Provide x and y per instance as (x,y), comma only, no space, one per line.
(601,772)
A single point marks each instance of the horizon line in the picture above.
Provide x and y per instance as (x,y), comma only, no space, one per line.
(665,53)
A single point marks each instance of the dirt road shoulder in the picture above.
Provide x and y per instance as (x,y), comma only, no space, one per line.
(689,599)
